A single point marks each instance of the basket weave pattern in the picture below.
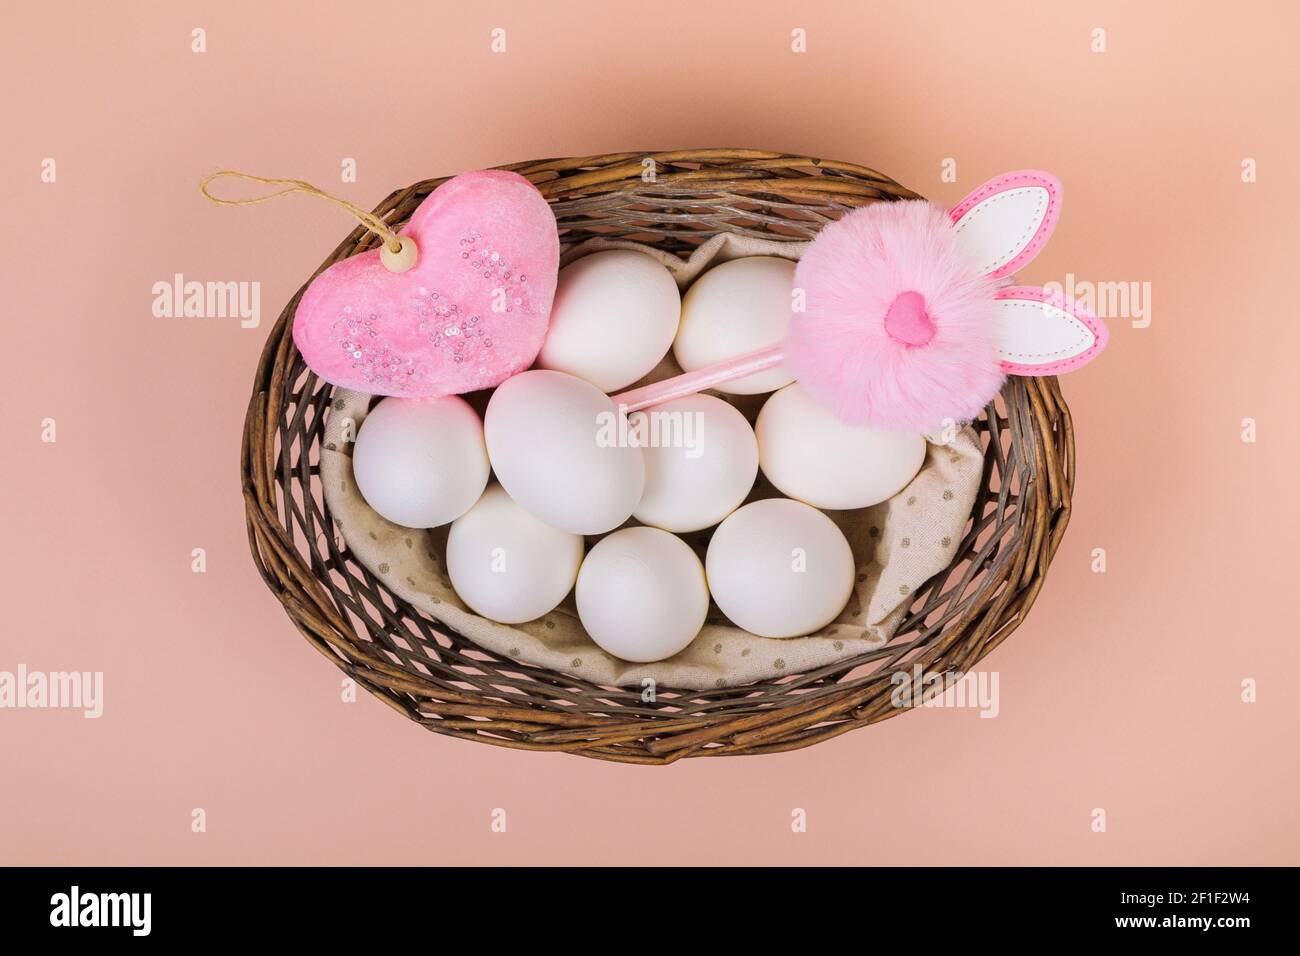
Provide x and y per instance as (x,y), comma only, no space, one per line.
(431,674)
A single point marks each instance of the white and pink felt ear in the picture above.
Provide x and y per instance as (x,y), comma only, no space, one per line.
(1041,332)
(1008,220)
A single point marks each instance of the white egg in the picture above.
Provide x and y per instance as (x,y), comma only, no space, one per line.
(738,307)
(421,462)
(701,459)
(642,595)
(614,318)
(809,454)
(557,448)
(779,568)
(508,565)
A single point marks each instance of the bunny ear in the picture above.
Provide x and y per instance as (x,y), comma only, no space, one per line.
(1045,333)
(1005,222)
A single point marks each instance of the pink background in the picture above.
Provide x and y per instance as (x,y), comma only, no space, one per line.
(1123,689)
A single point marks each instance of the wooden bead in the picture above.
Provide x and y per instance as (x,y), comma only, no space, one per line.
(403,258)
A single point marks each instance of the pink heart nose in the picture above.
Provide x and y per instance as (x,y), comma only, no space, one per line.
(907,321)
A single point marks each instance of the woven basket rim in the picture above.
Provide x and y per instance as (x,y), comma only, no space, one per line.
(432,675)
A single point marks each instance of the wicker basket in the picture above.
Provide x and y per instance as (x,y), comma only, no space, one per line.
(436,677)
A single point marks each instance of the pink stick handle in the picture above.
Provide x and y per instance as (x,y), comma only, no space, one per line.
(688,383)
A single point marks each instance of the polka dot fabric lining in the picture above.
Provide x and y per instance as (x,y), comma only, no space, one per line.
(897,545)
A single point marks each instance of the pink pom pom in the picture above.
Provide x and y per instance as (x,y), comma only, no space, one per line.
(900,329)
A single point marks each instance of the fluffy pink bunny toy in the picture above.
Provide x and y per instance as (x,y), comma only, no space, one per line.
(911,318)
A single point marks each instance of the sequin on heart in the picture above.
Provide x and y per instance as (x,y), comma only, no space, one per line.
(464,338)
(377,362)
(491,264)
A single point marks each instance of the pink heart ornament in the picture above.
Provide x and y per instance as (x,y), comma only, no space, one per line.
(470,313)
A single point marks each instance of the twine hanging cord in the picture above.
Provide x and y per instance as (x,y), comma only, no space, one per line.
(368,219)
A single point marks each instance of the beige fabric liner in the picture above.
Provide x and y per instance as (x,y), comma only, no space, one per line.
(897,545)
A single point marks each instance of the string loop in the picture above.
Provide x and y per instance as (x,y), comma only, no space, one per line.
(368,219)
